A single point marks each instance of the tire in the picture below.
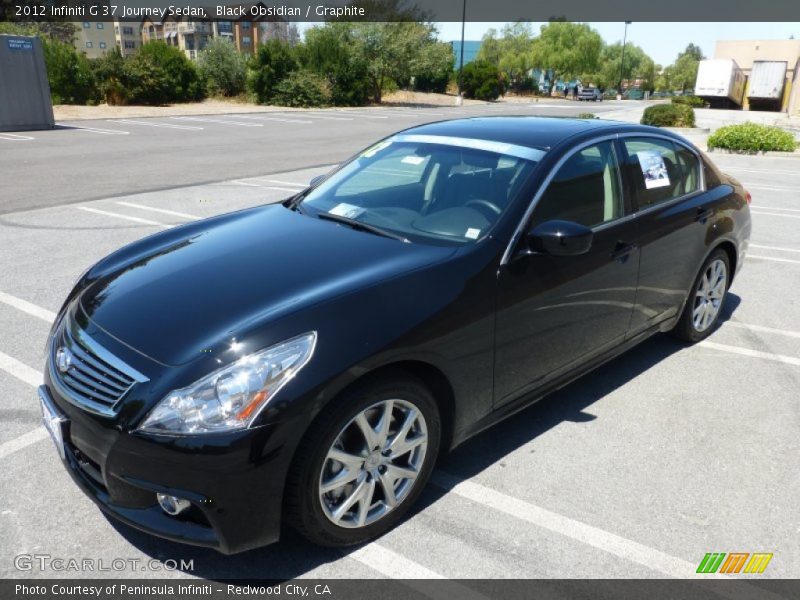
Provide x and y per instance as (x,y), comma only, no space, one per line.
(339,430)
(697,323)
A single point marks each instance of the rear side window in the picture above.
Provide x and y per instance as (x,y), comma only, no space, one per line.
(660,170)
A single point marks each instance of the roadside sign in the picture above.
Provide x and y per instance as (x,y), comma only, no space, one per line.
(19,45)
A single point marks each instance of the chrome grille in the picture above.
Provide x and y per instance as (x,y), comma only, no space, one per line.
(88,374)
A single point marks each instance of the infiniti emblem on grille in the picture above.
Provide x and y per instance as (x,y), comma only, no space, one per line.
(63,359)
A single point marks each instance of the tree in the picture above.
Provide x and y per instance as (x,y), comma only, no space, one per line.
(183,82)
(481,80)
(328,51)
(62,31)
(569,49)
(111,77)
(511,53)
(69,73)
(273,62)
(637,65)
(222,68)
(682,74)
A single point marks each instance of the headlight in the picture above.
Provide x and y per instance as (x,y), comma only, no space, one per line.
(230,398)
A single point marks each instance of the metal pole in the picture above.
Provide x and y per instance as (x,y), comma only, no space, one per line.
(461,60)
(622,60)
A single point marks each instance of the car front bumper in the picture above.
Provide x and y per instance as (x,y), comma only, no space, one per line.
(234,481)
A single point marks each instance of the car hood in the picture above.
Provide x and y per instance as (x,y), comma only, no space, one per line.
(175,294)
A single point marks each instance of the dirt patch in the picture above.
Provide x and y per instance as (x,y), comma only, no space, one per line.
(68,112)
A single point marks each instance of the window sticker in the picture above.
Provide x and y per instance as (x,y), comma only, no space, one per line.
(472,233)
(653,169)
(413,160)
(346,210)
(373,150)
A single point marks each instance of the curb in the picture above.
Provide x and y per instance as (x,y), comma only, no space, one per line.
(767,153)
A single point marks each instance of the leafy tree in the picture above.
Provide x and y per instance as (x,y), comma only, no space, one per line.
(328,51)
(682,74)
(511,53)
(222,68)
(274,61)
(145,80)
(111,77)
(303,89)
(69,73)
(481,80)
(182,81)
(637,65)
(570,49)
(62,31)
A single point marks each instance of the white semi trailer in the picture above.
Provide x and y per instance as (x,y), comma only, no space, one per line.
(720,82)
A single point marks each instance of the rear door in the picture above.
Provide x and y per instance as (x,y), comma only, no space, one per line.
(556,312)
(664,179)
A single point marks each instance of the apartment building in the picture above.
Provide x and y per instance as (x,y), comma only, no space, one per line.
(94,38)
(128,36)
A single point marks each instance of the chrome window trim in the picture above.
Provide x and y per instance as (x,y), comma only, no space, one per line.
(518,232)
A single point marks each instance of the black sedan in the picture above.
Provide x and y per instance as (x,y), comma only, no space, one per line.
(307,362)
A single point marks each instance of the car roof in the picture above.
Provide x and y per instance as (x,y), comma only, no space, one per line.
(530,131)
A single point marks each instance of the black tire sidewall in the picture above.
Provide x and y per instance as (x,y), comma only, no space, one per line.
(308,515)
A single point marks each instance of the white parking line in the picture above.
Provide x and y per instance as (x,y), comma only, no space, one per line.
(762,329)
(773,188)
(577,530)
(20,370)
(770,214)
(13,137)
(362,115)
(27,307)
(23,441)
(327,117)
(787,360)
(770,171)
(413,111)
(774,259)
(279,119)
(166,125)
(159,210)
(95,130)
(760,207)
(300,185)
(776,248)
(391,564)
(220,121)
(121,216)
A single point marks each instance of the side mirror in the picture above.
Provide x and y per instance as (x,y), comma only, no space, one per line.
(560,238)
(314,181)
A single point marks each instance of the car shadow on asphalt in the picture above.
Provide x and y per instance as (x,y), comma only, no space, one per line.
(293,556)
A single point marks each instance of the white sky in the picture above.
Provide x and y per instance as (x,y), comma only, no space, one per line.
(661,41)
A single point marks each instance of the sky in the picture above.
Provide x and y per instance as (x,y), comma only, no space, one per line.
(661,41)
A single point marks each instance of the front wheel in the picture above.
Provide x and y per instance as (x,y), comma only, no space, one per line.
(364,462)
(704,305)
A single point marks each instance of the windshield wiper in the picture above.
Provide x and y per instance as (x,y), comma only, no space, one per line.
(362,226)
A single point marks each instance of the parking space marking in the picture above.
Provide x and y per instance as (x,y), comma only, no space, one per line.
(300,185)
(576,530)
(23,441)
(159,210)
(219,121)
(760,207)
(95,129)
(13,137)
(773,258)
(27,307)
(327,117)
(776,248)
(391,564)
(750,170)
(771,214)
(121,216)
(167,125)
(762,329)
(362,115)
(279,119)
(772,188)
(780,358)
(20,370)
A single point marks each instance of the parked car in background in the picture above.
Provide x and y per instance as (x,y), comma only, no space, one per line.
(305,363)
(591,93)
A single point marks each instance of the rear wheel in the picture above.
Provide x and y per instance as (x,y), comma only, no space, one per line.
(365,462)
(704,305)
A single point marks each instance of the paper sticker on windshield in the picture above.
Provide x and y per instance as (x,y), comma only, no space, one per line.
(653,169)
(373,150)
(413,160)
(346,210)
(472,233)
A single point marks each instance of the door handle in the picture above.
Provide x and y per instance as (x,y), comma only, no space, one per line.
(622,250)
(703,214)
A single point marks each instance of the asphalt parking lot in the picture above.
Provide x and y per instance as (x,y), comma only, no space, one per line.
(636,470)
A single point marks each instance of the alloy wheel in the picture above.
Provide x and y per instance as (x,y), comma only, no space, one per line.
(373,463)
(709,295)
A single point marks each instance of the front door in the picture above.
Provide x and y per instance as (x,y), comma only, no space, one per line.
(554,312)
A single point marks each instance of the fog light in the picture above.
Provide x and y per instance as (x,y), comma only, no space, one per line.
(172,505)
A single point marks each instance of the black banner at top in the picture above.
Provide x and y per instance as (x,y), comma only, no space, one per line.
(399,10)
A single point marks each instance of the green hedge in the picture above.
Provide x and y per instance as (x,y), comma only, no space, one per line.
(669,115)
(481,80)
(302,89)
(752,137)
(694,101)
(585,116)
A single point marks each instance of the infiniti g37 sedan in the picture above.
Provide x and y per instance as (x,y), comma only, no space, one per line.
(306,362)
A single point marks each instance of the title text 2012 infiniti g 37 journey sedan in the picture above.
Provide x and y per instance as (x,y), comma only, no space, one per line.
(306,362)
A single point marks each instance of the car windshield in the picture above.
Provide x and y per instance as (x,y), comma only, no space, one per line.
(425,188)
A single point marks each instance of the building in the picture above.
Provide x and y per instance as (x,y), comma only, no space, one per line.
(746,52)
(471,48)
(94,38)
(128,36)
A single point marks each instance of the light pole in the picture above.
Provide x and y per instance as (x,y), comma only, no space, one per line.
(461,60)
(622,61)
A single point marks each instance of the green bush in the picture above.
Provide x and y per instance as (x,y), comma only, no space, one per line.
(69,74)
(328,51)
(693,101)
(585,116)
(481,80)
(302,89)
(111,78)
(274,62)
(752,137)
(222,68)
(668,115)
(180,80)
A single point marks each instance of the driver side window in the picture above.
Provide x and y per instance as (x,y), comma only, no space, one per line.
(585,190)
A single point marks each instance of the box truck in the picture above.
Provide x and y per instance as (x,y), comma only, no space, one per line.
(720,82)
(767,80)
